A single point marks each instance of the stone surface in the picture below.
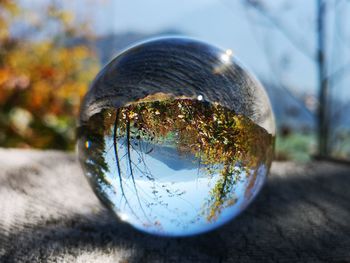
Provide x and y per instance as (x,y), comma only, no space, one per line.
(48,213)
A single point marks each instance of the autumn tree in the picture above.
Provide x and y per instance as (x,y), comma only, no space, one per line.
(42,78)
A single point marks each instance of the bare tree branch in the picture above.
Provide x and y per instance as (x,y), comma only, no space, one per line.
(323,83)
(128,143)
(336,75)
(256,5)
(278,79)
(118,164)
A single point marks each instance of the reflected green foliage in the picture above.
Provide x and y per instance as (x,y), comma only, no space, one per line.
(92,148)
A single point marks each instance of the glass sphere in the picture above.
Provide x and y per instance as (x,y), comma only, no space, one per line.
(175,136)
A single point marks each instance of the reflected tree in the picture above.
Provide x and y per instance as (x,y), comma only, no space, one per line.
(92,157)
(226,144)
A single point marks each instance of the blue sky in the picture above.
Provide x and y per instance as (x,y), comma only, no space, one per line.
(228,24)
(223,23)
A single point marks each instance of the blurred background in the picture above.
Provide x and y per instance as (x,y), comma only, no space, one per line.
(50,51)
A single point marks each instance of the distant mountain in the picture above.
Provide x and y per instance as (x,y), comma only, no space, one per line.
(290,110)
(108,46)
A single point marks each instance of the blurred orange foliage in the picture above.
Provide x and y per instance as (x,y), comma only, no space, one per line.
(42,78)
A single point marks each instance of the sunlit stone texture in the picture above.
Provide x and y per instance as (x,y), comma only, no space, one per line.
(175,137)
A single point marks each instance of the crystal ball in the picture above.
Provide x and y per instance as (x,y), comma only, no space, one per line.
(175,136)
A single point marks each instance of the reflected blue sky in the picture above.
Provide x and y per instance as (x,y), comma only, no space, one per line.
(169,200)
